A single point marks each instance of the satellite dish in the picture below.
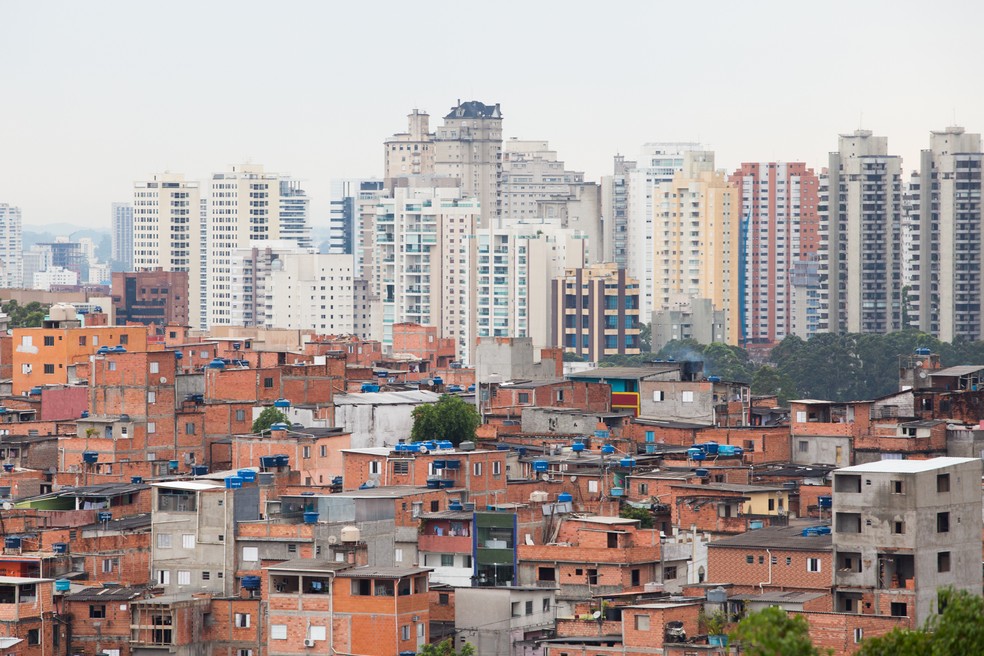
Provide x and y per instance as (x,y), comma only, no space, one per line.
(922,374)
(422,449)
(544,476)
(7,505)
(163,380)
(332,539)
(596,614)
(370,483)
(573,478)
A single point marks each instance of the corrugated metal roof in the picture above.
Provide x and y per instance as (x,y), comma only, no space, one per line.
(387,398)
(960,370)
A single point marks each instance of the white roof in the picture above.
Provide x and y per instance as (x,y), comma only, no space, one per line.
(905,466)
(21,580)
(370,450)
(195,486)
(6,643)
(387,398)
(604,519)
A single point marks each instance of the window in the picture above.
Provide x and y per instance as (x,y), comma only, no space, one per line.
(82,340)
(242,620)
(636,578)
(897,487)
(592,577)
(405,632)
(546,574)
(401,467)
(49,340)
(243,652)
(373,467)
(477,469)
(529,607)
(443,599)
(155,367)
(643,488)
(323,451)
(858,635)
(812,564)
(163,540)
(750,560)
(240,415)
(687,397)
(899,609)
(496,468)
(278,631)
(515,612)
(163,577)
(772,504)
(292,548)
(789,561)
(151,427)
(942,483)
(306,452)
(943,561)
(398,555)
(188,540)
(560,395)
(524,397)
(49,368)
(670,572)
(642,622)
(447,560)
(943,522)
(124,339)
(97,611)
(184,577)
(189,428)
(804,446)
(206,576)
(109,564)
(34,637)
(151,397)
(251,554)
(898,528)
(268,382)
(319,633)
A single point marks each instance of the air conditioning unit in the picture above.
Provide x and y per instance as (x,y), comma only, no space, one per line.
(308,642)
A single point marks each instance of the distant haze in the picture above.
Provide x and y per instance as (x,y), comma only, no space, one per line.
(98,94)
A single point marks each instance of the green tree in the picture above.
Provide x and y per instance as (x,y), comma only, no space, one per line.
(646,337)
(446,648)
(25,316)
(958,630)
(268,418)
(768,380)
(771,632)
(570,356)
(644,516)
(451,418)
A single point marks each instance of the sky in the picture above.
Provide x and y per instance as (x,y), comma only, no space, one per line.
(95,95)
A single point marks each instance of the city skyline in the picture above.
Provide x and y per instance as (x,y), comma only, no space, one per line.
(327,123)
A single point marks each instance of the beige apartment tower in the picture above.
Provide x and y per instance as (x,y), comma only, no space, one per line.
(468,147)
(410,152)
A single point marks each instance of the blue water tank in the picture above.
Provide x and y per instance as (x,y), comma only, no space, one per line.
(63,585)
(702,473)
(438,380)
(627,462)
(248,475)
(923,351)
(711,448)
(8,467)
(178,355)
(447,482)
(281,403)
(311,517)
(501,447)
(369,387)
(251,582)
(280,426)
(825,501)
(283,460)
(438,464)
(577,447)
(217,363)
(199,470)
(136,480)
(522,451)
(696,454)
(233,482)
(540,465)
(714,379)
(452,464)
(90,457)
(617,492)
(728,450)
(564,497)
(35,391)
(172,465)
(755,524)
(12,543)
(104,516)
(608,449)
(433,483)
(454,505)
(268,462)
(60,547)
(85,414)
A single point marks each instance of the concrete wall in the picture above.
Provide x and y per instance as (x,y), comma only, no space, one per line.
(821,450)
(484,618)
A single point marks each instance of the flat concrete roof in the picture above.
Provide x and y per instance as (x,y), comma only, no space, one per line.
(776,537)
(904,466)
(604,519)
(193,486)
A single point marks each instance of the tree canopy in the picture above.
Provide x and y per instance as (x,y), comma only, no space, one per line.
(958,630)
(268,418)
(450,418)
(25,316)
(446,648)
(771,632)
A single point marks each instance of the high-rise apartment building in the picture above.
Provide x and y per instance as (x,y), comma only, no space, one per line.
(861,237)
(779,227)
(420,273)
(514,267)
(247,205)
(696,222)
(947,221)
(658,163)
(276,284)
(537,188)
(615,212)
(122,237)
(410,152)
(167,231)
(157,298)
(595,312)
(468,147)
(353,208)
(11,247)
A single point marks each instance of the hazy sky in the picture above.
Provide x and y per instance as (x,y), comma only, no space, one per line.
(97,94)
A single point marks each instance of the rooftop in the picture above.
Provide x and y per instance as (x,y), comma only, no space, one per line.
(383,572)
(961,370)
(604,519)
(625,372)
(731,487)
(904,466)
(387,398)
(193,486)
(110,593)
(308,565)
(790,538)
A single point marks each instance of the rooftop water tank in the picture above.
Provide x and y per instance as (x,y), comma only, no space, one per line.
(351,534)
(233,482)
(539,496)
(199,470)
(454,505)
(577,447)
(608,449)
(445,445)
(280,426)
(248,475)
(60,547)
(702,473)
(711,448)
(627,462)
(104,516)
(281,403)
(90,457)
(564,497)
(251,582)
(717,595)
(540,465)
(825,501)
(311,517)
(217,363)
(12,542)
(63,585)
(136,480)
